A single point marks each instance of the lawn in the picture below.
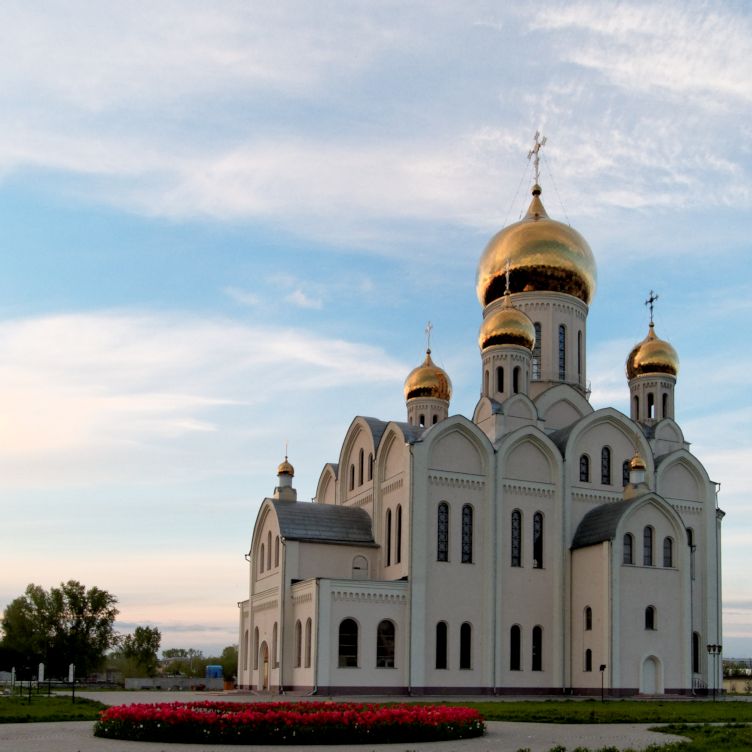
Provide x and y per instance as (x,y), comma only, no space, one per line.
(18,710)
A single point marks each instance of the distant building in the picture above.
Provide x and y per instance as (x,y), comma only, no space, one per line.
(515,552)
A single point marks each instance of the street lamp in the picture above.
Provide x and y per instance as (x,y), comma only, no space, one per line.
(602,670)
(714,651)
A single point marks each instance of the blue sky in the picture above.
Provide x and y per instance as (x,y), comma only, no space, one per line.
(225,225)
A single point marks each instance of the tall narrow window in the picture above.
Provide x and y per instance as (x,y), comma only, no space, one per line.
(562,352)
(516,538)
(647,546)
(348,644)
(668,552)
(515,654)
(606,466)
(537,656)
(388,535)
(485,382)
(275,649)
(588,618)
(441,645)
(467,534)
(262,559)
(308,630)
(422,421)
(442,533)
(298,644)
(256,646)
(650,617)
(584,468)
(579,356)
(516,380)
(385,644)
(695,652)
(499,379)
(246,649)
(588,660)
(664,411)
(370,466)
(435,419)
(398,542)
(361,463)
(625,473)
(352,477)
(538,540)
(536,364)
(651,405)
(269,550)
(628,546)
(276,551)
(636,408)
(692,549)
(466,634)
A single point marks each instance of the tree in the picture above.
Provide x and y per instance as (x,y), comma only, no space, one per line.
(142,647)
(67,624)
(229,662)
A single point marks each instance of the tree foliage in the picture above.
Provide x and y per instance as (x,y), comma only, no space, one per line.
(142,647)
(63,625)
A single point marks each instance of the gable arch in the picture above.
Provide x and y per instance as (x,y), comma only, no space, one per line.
(520,406)
(662,507)
(326,489)
(532,447)
(562,405)
(365,431)
(669,430)
(680,475)
(456,444)
(266,513)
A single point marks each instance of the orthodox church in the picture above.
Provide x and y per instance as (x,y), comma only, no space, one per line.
(539,547)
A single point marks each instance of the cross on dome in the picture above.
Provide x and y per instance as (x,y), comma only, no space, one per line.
(534,153)
(649,302)
(428,330)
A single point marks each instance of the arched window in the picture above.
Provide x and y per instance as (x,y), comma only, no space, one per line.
(628,549)
(651,405)
(636,408)
(298,644)
(588,660)
(499,379)
(562,352)
(537,655)
(625,473)
(246,650)
(255,647)
(262,559)
(360,568)
(352,477)
(269,550)
(579,355)
(536,370)
(466,635)
(276,551)
(467,534)
(668,552)
(435,419)
(370,467)
(348,644)
(515,653)
(485,382)
(606,466)
(695,652)
(647,546)
(308,630)
(584,468)
(516,379)
(441,645)
(588,618)
(664,411)
(650,617)
(388,535)
(273,660)
(690,537)
(538,540)
(385,644)
(422,421)
(398,544)
(361,463)
(442,533)
(516,538)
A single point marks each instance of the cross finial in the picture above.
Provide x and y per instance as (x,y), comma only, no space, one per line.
(534,153)
(285,449)
(428,330)
(506,277)
(649,303)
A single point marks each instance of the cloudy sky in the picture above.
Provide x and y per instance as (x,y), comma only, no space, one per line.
(224,225)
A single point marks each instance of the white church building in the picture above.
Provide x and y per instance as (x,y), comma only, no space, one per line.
(538,547)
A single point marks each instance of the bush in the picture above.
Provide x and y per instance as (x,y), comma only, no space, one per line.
(287,723)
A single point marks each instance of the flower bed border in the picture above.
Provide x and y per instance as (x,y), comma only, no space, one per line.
(287,723)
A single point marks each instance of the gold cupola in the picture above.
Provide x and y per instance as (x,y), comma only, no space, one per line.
(542,255)
(285,468)
(507,326)
(428,380)
(652,355)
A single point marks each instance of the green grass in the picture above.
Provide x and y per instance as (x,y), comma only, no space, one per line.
(42,708)
(615,711)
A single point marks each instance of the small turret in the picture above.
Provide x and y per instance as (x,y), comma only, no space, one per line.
(284,490)
(637,484)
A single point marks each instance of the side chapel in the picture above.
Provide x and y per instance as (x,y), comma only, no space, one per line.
(527,550)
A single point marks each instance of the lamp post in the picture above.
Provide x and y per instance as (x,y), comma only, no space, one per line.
(714,651)
(602,669)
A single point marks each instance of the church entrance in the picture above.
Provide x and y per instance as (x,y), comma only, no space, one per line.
(651,679)
(264,683)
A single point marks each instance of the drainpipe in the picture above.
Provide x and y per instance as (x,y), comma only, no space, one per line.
(282,602)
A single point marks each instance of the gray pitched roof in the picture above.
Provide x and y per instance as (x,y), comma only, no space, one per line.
(600,524)
(412,433)
(377,429)
(306,521)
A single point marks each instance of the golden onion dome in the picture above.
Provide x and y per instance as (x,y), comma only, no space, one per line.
(652,355)
(507,326)
(637,463)
(541,254)
(428,380)
(285,468)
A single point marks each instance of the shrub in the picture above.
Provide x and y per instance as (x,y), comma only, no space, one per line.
(287,723)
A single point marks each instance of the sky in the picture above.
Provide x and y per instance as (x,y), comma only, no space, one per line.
(224,226)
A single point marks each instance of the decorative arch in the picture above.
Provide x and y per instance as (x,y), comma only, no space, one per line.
(326,489)
(370,428)
(535,439)
(575,402)
(670,470)
(520,406)
(456,430)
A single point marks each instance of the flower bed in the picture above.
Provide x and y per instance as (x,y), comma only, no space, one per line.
(287,723)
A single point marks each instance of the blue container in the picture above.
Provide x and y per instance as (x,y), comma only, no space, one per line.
(214,672)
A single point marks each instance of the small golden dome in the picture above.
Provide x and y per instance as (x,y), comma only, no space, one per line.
(428,380)
(507,326)
(637,463)
(285,468)
(652,355)
(542,254)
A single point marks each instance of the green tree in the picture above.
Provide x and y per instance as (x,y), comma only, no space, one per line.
(142,647)
(229,662)
(67,624)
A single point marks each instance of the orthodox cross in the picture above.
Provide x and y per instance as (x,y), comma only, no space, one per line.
(506,275)
(285,449)
(428,330)
(534,153)
(649,302)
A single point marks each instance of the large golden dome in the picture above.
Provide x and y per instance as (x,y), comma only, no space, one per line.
(542,254)
(507,326)
(428,380)
(652,355)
